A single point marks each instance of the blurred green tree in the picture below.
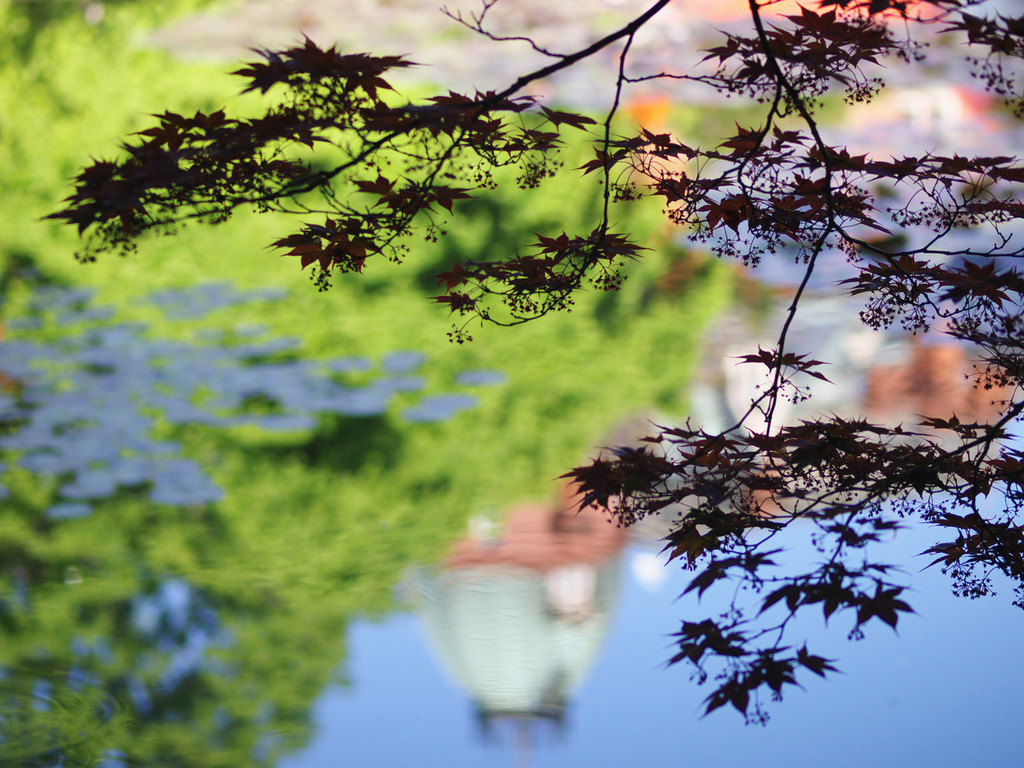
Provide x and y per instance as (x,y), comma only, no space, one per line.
(774,189)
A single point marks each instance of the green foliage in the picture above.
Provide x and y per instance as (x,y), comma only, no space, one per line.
(361,500)
(768,189)
(318,527)
(76,77)
(28,25)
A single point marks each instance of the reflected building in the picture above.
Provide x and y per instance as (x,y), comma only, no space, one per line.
(518,611)
(933,377)
(890,377)
(884,377)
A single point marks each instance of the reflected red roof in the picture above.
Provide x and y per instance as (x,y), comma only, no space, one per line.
(543,537)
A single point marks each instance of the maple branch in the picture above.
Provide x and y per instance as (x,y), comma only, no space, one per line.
(606,144)
(564,62)
(477,25)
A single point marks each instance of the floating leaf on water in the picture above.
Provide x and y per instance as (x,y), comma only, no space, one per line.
(90,484)
(174,495)
(402,362)
(350,364)
(164,448)
(248,330)
(438,407)
(91,314)
(264,349)
(265,294)
(67,510)
(285,422)
(119,335)
(24,323)
(480,378)
(401,384)
(87,401)
(362,402)
(131,470)
(49,297)
(46,463)
(28,439)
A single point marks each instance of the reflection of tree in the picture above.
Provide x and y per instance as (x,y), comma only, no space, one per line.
(517,614)
(156,671)
(164,637)
(200,636)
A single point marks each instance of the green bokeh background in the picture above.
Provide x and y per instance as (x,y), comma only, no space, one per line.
(317,527)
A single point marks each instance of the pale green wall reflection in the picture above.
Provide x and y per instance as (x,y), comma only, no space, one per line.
(517,611)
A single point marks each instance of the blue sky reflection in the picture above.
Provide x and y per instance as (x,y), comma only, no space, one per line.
(941,692)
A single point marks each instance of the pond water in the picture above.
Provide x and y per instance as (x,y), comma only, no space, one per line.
(941,693)
(218,552)
(148,622)
(84,408)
